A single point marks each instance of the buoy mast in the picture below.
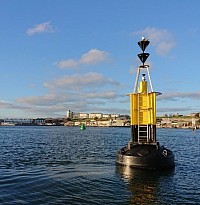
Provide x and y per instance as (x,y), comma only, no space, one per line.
(143,104)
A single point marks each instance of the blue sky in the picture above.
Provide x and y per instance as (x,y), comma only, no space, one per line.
(82,55)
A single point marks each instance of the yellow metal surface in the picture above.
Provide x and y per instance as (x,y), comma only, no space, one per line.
(143,108)
(134,108)
(143,87)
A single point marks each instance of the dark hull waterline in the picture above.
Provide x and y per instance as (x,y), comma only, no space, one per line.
(146,157)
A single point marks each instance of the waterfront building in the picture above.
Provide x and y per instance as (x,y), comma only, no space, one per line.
(83,115)
(69,114)
(75,115)
(114,115)
(39,121)
(19,121)
(93,115)
(106,115)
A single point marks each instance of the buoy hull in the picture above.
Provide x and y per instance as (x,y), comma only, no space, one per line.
(146,157)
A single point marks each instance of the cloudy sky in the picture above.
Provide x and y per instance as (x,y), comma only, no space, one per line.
(82,55)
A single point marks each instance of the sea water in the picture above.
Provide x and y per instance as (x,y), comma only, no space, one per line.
(66,165)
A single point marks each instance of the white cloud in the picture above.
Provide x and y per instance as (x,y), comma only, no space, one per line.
(93,56)
(174,109)
(68,63)
(6,105)
(45,27)
(45,100)
(56,99)
(75,82)
(161,39)
(55,104)
(173,96)
(80,93)
(185,100)
(101,95)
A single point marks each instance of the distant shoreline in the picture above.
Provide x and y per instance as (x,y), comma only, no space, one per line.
(158,127)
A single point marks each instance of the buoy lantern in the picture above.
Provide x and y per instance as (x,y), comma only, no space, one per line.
(143,151)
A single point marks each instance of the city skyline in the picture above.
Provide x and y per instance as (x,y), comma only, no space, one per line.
(82,55)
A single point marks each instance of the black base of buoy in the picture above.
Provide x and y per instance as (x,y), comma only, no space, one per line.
(146,156)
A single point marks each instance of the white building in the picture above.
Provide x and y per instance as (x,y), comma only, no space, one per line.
(114,115)
(93,115)
(83,115)
(106,115)
(69,114)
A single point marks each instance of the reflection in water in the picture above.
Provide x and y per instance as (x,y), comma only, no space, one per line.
(144,185)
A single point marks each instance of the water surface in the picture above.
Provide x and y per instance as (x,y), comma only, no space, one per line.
(64,165)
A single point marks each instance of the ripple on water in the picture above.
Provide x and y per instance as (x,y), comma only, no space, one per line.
(60,165)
